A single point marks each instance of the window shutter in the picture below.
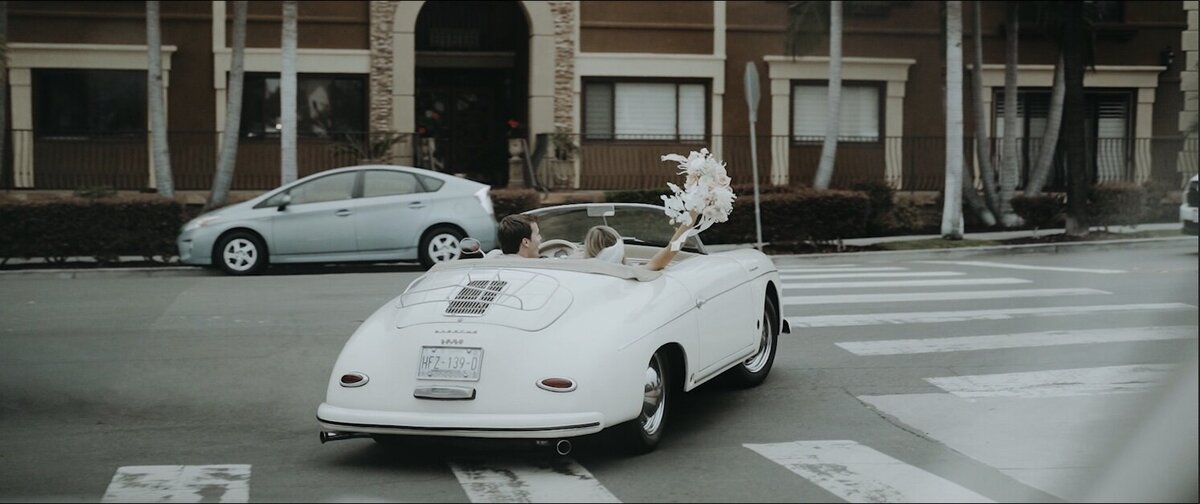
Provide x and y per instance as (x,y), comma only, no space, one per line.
(645,111)
(598,115)
(691,112)
(858,113)
(1111,137)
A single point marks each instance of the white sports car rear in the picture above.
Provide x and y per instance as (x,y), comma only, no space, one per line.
(553,348)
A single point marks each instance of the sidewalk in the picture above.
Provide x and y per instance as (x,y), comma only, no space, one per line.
(991,235)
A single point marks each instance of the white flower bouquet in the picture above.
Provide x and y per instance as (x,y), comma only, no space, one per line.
(705,192)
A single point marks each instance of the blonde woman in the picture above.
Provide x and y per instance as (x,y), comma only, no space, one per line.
(604,243)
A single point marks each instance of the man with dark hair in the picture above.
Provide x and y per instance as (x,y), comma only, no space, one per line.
(519,235)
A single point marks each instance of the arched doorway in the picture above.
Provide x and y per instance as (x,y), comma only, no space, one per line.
(471,86)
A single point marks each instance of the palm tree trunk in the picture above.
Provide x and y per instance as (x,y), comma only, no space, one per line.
(287,95)
(3,84)
(1008,173)
(1041,170)
(952,223)
(223,179)
(983,144)
(1074,143)
(833,110)
(158,111)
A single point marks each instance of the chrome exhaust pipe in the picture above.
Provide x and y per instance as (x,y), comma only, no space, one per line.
(562,447)
(327,436)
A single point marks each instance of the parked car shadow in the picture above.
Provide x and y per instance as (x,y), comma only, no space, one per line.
(338,268)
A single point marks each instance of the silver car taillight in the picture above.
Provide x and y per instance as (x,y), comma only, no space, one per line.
(485,200)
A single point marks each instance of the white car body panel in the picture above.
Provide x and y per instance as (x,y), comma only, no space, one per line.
(598,330)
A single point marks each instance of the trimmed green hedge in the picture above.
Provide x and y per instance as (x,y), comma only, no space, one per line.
(103,229)
(514,201)
(1041,211)
(803,214)
(1116,203)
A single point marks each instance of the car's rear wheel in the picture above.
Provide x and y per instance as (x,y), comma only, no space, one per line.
(755,368)
(642,434)
(241,253)
(440,244)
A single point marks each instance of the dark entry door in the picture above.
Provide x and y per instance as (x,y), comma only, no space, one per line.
(460,110)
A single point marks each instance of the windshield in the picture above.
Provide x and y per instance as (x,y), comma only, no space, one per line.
(638,224)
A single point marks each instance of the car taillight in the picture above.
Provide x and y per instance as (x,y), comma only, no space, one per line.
(485,200)
(555,384)
(353,380)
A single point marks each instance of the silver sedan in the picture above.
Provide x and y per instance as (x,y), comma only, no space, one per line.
(359,213)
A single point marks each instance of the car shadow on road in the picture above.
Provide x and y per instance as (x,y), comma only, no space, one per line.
(341,268)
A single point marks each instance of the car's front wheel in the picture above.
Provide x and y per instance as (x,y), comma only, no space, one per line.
(241,253)
(440,244)
(643,433)
(755,368)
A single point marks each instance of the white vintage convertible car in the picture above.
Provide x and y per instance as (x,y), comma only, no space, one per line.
(553,348)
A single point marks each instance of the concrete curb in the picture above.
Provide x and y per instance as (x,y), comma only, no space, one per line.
(1049,248)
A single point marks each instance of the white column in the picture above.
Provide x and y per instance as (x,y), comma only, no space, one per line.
(1142,132)
(780,115)
(404,55)
(893,132)
(718,97)
(219,72)
(541,82)
(21,106)
(166,84)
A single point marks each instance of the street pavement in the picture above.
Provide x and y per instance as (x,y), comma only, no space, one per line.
(1014,378)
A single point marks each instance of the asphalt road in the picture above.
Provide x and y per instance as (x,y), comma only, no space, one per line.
(1005,378)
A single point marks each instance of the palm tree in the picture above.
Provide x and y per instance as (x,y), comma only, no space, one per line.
(3,80)
(1011,164)
(1075,49)
(287,91)
(833,105)
(806,25)
(983,144)
(1041,169)
(157,109)
(223,179)
(952,224)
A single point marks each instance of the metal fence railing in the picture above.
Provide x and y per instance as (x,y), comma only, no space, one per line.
(911,163)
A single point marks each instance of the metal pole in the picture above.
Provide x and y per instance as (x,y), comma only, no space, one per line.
(754,167)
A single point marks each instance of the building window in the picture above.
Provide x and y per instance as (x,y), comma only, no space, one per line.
(675,111)
(859,113)
(89,102)
(326,105)
(1107,118)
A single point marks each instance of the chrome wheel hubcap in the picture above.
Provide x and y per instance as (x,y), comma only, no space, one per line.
(240,254)
(653,398)
(758,361)
(444,247)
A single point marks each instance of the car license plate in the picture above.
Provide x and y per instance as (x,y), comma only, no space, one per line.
(450,363)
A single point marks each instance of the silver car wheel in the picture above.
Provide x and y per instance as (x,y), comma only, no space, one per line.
(756,362)
(652,401)
(240,254)
(443,247)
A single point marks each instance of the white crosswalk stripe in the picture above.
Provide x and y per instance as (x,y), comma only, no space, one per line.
(987,264)
(858,473)
(796,271)
(908,297)
(180,483)
(862,319)
(555,480)
(907,274)
(1020,340)
(1057,382)
(904,283)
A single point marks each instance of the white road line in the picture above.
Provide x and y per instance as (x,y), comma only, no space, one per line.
(1019,340)
(858,473)
(873,275)
(987,264)
(789,271)
(180,483)
(556,480)
(905,283)
(1057,382)
(969,315)
(907,297)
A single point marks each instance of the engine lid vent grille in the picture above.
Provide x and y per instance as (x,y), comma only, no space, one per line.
(474,299)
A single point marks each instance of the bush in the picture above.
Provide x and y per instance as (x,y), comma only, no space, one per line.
(514,201)
(654,196)
(882,198)
(1041,211)
(1160,206)
(799,214)
(1116,203)
(98,228)
(904,217)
